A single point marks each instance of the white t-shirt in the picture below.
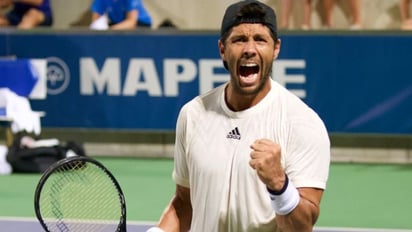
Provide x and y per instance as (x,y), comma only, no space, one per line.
(212,154)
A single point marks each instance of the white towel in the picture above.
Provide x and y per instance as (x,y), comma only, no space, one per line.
(19,110)
(100,24)
(5,167)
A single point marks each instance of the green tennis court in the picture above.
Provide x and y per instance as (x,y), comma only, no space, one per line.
(374,196)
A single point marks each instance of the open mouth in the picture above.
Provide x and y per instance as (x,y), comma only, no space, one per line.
(248,73)
(248,70)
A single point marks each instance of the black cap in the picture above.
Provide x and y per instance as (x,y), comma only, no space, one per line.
(249,11)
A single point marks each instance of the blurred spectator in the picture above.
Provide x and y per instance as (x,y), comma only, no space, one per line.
(119,14)
(404,7)
(26,14)
(286,9)
(354,7)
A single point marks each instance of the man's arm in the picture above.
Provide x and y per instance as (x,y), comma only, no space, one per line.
(177,216)
(95,16)
(296,209)
(304,216)
(128,23)
(5,3)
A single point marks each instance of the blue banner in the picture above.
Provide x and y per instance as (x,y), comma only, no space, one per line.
(358,83)
(18,75)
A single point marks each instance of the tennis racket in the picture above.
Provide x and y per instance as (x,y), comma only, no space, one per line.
(79,194)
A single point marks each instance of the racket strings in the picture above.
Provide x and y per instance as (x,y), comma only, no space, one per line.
(81,197)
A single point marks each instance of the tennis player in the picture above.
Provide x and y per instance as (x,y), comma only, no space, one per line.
(249,155)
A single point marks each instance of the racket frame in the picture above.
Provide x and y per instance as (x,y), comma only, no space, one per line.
(52,168)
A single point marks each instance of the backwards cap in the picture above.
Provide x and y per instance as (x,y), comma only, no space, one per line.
(248,11)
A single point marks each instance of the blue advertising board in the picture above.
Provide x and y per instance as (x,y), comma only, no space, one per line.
(358,83)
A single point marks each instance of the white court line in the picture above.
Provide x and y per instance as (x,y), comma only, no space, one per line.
(30,219)
(149,223)
(353,229)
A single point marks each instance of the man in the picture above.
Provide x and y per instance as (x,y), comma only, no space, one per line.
(406,19)
(355,8)
(121,14)
(26,14)
(249,155)
(286,7)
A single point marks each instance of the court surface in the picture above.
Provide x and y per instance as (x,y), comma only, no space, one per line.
(359,197)
(15,225)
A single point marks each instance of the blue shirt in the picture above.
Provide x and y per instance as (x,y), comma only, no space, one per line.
(24,7)
(20,9)
(116,10)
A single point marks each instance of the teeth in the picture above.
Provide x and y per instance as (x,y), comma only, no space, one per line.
(249,65)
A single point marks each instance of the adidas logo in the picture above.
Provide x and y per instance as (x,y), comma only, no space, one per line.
(234,134)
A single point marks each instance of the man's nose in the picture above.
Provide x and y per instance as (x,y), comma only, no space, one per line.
(249,49)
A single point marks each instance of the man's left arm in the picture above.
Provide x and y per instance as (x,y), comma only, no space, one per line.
(128,23)
(304,216)
(297,209)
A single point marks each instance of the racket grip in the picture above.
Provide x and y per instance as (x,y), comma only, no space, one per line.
(155,229)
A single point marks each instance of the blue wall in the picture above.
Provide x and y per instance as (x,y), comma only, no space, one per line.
(358,83)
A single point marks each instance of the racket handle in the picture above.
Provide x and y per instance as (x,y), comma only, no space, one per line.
(155,229)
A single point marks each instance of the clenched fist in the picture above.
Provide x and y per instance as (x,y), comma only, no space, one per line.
(266,160)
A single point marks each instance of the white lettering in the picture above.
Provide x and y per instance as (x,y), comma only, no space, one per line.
(207,77)
(142,75)
(279,74)
(176,71)
(91,77)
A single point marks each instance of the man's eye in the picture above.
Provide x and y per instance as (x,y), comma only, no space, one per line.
(259,39)
(239,40)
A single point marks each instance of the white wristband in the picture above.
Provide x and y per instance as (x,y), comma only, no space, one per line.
(286,201)
(155,229)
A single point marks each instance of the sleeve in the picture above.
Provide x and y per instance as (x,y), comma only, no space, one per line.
(180,172)
(307,151)
(97,7)
(133,5)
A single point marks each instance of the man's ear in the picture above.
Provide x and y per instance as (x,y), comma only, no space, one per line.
(277,49)
(222,53)
(221,47)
